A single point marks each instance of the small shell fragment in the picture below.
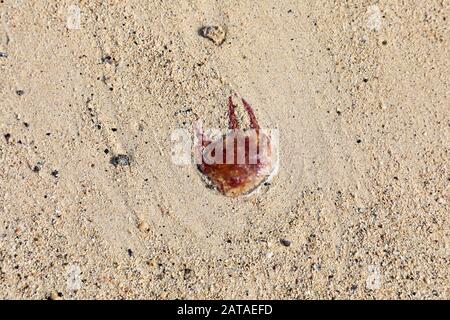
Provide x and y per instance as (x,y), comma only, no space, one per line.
(214,33)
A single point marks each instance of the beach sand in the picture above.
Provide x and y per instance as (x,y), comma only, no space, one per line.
(358,90)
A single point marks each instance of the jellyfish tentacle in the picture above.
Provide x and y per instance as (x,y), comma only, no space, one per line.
(253,122)
(232,119)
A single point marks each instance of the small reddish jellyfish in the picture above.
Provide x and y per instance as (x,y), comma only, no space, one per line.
(239,161)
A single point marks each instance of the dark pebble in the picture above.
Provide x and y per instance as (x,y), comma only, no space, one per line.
(187,273)
(20,92)
(37,167)
(120,160)
(130,252)
(107,59)
(55,173)
(3,55)
(285,242)
(7,137)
